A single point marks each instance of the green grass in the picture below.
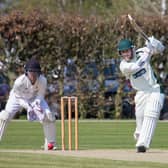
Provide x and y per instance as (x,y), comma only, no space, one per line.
(17,160)
(96,134)
(93,134)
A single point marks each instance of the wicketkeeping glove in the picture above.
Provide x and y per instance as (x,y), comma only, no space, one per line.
(31,115)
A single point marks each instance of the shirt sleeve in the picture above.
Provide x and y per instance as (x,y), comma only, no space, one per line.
(18,89)
(18,86)
(143,56)
(42,88)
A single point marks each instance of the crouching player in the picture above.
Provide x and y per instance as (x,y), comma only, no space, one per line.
(28,92)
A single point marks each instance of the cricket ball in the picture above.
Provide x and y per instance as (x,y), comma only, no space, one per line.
(50,146)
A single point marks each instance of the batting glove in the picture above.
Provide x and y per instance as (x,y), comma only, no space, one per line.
(155,45)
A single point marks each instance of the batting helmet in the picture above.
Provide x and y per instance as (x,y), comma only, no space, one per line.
(33,66)
(125,44)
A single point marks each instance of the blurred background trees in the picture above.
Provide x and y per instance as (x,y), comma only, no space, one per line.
(87,7)
(64,34)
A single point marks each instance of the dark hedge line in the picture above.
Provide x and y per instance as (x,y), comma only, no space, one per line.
(55,38)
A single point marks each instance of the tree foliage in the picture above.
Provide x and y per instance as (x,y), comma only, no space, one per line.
(55,38)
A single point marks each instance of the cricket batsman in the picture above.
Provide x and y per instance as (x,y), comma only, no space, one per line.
(149,99)
(28,92)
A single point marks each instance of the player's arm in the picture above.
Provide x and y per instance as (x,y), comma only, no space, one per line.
(128,68)
(42,86)
(37,102)
(18,90)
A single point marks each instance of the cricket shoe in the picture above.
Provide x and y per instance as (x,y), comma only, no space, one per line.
(141,149)
(50,147)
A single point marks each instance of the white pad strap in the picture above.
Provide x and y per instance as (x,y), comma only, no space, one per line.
(49,133)
(3,124)
(147,131)
(154,105)
(4,115)
(4,118)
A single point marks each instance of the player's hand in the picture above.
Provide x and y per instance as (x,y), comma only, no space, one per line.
(36,102)
(37,108)
(30,109)
(155,45)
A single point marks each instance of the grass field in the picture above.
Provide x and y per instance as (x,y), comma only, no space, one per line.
(93,134)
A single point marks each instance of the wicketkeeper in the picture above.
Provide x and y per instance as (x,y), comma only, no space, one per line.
(149,99)
(28,92)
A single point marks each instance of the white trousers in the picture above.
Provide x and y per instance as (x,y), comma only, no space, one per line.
(147,107)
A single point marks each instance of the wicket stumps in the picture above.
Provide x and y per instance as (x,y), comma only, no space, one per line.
(69,101)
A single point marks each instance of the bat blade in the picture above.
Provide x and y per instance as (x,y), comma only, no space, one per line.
(137,28)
